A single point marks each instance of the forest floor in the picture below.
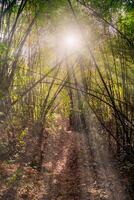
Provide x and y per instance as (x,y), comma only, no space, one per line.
(75,167)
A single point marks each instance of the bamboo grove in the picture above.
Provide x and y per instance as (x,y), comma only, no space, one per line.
(36,83)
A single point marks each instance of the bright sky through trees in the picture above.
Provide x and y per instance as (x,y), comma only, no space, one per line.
(71,40)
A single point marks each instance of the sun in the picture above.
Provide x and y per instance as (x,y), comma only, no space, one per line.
(68,42)
(71,41)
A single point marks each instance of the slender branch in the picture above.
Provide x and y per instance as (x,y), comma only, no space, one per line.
(35,84)
(98,15)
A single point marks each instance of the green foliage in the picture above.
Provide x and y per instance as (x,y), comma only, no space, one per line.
(3,48)
(128,23)
(106,7)
(1,94)
(12,180)
(48,10)
(64,103)
(22,136)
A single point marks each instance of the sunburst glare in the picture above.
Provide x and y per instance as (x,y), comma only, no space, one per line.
(71,41)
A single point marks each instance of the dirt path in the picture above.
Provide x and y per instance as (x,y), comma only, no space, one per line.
(81,169)
(76,166)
